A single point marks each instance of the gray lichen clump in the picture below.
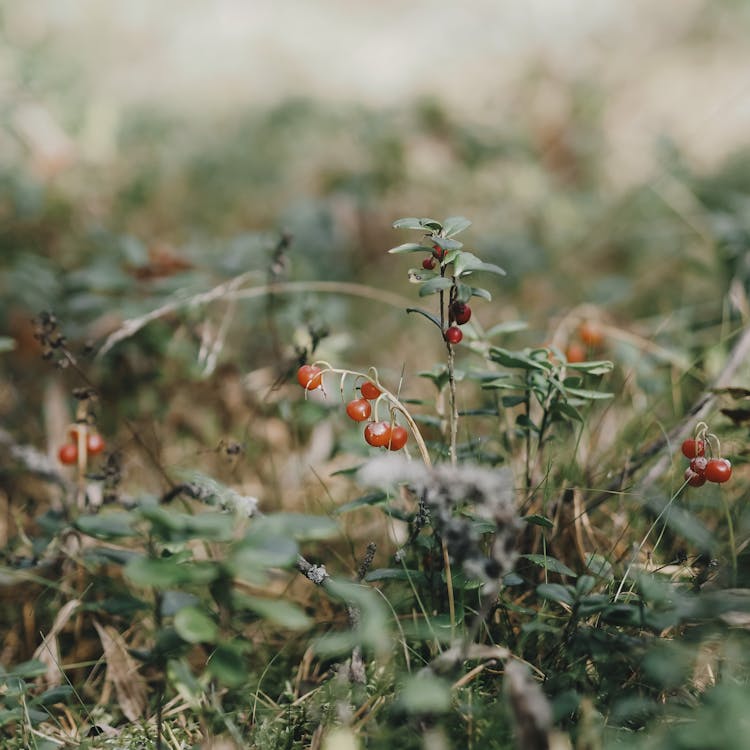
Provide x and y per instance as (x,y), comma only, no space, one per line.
(459,502)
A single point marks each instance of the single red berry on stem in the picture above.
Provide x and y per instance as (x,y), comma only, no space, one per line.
(369,390)
(453,335)
(693,448)
(378,434)
(399,436)
(699,464)
(694,479)
(359,409)
(718,470)
(428,263)
(309,377)
(461,313)
(438,251)
(94,443)
(68,453)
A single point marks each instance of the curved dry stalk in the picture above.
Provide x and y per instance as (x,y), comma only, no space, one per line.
(230,291)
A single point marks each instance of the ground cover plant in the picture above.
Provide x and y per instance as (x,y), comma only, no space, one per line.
(494,576)
(283,467)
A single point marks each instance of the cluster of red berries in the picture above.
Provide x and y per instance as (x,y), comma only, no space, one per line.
(590,338)
(702,469)
(68,453)
(378,434)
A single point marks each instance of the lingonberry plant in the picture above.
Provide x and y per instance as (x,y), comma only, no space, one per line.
(451,283)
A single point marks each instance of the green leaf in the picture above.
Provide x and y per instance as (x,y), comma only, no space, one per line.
(259,551)
(551,564)
(453,225)
(425,694)
(446,244)
(370,499)
(372,630)
(556,592)
(396,574)
(482,293)
(279,611)
(300,526)
(172,526)
(435,285)
(107,525)
(510,401)
(194,625)
(599,565)
(599,367)
(567,411)
(165,572)
(467,263)
(28,669)
(463,292)
(433,318)
(512,326)
(538,520)
(524,422)
(409,247)
(184,680)
(58,694)
(518,360)
(438,375)
(420,275)
(588,395)
(227,665)
(411,222)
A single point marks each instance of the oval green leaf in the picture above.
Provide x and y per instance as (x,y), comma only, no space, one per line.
(194,625)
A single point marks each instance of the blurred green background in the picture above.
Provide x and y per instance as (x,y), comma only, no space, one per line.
(158,150)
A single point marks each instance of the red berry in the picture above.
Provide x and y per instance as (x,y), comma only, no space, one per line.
(399,436)
(698,465)
(693,479)
(68,453)
(309,377)
(94,443)
(591,334)
(693,448)
(575,352)
(369,390)
(718,470)
(359,409)
(461,312)
(438,251)
(378,434)
(428,263)
(453,335)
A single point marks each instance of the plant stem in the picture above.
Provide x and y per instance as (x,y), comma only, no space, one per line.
(730,531)
(453,406)
(527,411)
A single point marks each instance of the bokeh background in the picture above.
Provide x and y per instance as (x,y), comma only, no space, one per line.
(153,150)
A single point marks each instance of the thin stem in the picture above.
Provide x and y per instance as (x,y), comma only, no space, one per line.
(730,531)
(449,587)
(453,406)
(643,541)
(527,411)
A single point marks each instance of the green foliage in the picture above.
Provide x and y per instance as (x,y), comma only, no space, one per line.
(636,630)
